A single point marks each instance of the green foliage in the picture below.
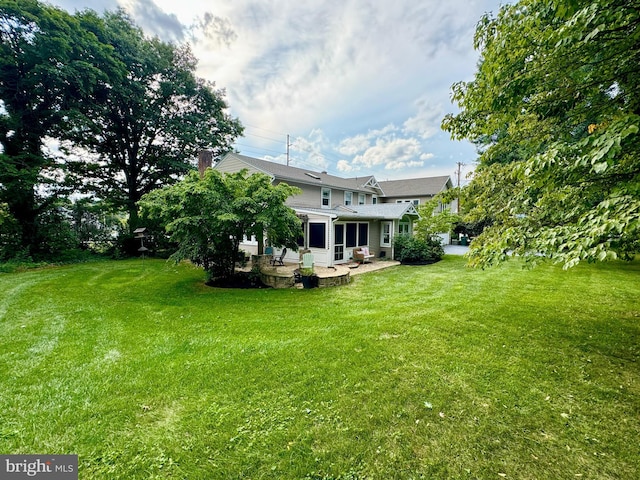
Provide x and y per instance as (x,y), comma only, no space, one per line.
(128,110)
(208,217)
(306,271)
(95,225)
(9,234)
(555,111)
(414,249)
(158,116)
(434,219)
(48,73)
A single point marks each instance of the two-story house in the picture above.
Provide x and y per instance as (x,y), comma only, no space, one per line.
(338,214)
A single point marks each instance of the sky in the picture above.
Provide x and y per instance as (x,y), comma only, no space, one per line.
(358,87)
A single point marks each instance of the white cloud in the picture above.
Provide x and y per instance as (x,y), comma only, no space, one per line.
(389,153)
(426,123)
(398,165)
(354,145)
(345,167)
(345,67)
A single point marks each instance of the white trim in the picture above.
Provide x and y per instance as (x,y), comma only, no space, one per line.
(322,198)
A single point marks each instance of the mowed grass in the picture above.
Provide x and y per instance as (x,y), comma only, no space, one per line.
(411,372)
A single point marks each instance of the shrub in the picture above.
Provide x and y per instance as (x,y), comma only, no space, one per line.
(416,250)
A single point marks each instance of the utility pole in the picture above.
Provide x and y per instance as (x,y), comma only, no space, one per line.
(288,144)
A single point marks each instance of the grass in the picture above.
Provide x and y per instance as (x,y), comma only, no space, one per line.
(412,372)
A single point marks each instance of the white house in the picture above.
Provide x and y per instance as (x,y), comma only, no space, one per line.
(342,214)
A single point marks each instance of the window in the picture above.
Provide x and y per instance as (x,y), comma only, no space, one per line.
(326,197)
(348,198)
(352,234)
(385,234)
(357,234)
(317,235)
(374,200)
(363,234)
(361,199)
(415,201)
(403,228)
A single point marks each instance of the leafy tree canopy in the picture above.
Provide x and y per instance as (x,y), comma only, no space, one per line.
(151,120)
(554,109)
(208,217)
(50,64)
(435,219)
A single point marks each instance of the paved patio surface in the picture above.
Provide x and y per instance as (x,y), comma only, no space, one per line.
(355,268)
(339,270)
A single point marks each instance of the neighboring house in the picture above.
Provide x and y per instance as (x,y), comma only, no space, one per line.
(338,214)
(419,191)
(415,190)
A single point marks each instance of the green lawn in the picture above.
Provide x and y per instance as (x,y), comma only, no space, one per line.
(411,372)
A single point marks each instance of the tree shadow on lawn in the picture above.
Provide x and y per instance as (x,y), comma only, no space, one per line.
(239,280)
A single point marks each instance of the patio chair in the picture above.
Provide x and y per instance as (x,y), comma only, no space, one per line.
(307,261)
(279,260)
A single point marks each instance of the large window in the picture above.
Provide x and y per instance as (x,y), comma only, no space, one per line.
(363,234)
(326,198)
(352,234)
(318,235)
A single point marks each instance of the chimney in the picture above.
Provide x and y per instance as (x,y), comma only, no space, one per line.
(205,159)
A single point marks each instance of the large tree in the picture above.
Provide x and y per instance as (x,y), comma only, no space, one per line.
(208,217)
(555,111)
(149,123)
(48,72)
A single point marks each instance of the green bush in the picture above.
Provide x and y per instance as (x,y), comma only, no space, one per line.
(411,249)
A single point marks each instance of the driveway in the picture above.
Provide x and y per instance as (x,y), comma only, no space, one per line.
(455,249)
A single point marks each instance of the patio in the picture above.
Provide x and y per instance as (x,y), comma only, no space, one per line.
(284,276)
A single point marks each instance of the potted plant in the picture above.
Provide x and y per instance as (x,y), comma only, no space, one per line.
(309,279)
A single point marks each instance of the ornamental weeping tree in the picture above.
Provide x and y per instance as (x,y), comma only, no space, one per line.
(554,109)
(208,217)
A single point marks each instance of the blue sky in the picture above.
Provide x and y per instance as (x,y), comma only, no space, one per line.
(359,86)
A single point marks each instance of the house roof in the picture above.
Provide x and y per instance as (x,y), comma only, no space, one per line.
(415,187)
(380,211)
(307,176)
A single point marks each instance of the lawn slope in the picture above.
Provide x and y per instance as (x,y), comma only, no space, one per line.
(411,372)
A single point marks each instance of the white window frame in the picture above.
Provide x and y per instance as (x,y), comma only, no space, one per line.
(386,229)
(324,190)
(348,198)
(362,199)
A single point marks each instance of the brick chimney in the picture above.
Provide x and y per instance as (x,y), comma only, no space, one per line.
(205,159)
